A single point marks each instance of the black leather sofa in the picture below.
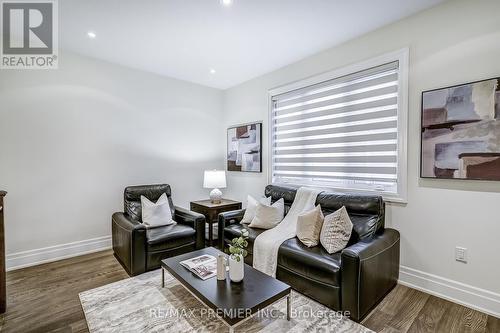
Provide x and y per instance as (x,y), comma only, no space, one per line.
(139,249)
(354,279)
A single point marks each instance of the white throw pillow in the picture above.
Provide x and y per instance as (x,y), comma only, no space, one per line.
(252,208)
(336,231)
(156,214)
(309,226)
(267,217)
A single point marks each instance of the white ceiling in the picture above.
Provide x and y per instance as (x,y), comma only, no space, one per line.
(184,39)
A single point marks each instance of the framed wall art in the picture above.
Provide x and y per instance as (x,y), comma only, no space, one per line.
(244,148)
(461,131)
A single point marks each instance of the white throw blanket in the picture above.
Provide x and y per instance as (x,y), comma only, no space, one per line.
(266,245)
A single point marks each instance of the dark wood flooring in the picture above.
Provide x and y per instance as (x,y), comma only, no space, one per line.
(409,310)
(45,299)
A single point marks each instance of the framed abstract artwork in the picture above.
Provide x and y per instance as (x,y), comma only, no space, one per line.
(244,148)
(461,131)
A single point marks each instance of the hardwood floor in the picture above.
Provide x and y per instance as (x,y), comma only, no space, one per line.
(45,299)
(409,310)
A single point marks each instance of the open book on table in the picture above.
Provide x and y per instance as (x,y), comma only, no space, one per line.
(204,266)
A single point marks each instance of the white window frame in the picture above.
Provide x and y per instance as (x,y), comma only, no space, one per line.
(402,56)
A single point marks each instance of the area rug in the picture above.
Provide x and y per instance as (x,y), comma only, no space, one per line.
(139,304)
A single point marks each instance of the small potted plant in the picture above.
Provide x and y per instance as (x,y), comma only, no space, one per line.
(237,250)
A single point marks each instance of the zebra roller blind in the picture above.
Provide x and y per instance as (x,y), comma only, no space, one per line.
(339,133)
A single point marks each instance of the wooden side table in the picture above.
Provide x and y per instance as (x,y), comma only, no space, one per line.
(212,211)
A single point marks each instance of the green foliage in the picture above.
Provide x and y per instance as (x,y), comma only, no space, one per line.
(237,248)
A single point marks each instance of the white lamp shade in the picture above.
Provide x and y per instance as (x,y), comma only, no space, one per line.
(214,179)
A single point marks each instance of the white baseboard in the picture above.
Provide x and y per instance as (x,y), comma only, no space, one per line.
(53,253)
(457,292)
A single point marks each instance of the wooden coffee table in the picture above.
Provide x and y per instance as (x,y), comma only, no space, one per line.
(233,302)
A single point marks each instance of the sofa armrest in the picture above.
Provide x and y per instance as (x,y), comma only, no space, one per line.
(370,269)
(129,243)
(195,221)
(225,219)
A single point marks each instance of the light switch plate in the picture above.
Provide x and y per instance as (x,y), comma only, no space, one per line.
(461,254)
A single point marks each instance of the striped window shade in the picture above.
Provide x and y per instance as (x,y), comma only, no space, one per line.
(341,133)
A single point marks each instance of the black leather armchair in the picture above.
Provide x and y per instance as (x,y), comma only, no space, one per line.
(354,279)
(140,249)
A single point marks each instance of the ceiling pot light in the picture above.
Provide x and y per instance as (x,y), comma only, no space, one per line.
(91,34)
(226,2)
(212,71)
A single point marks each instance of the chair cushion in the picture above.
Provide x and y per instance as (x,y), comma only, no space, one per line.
(169,237)
(233,231)
(313,263)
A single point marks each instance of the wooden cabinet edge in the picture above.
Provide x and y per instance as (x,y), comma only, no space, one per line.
(3,296)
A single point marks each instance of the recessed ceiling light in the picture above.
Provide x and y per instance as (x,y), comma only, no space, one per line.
(212,71)
(91,34)
(226,2)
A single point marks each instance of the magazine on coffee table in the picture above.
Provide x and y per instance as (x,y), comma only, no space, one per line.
(204,266)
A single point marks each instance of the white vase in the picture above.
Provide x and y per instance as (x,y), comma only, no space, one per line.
(236,269)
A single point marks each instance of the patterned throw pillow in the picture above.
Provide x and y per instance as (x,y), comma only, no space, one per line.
(309,225)
(336,231)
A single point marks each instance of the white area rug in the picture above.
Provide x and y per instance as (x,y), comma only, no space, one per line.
(139,304)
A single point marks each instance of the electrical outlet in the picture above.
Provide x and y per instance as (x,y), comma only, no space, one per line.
(461,254)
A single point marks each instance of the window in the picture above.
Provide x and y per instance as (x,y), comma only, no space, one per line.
(344,130)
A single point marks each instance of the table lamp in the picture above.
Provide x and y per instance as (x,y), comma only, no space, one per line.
(215,179)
